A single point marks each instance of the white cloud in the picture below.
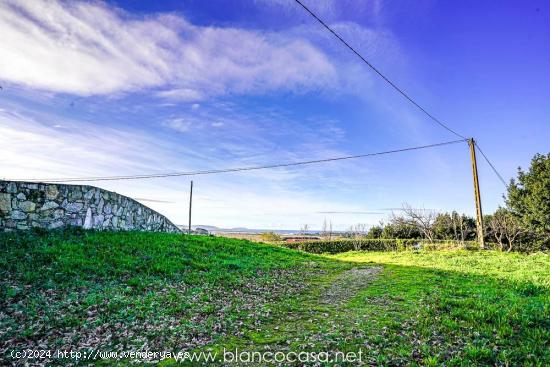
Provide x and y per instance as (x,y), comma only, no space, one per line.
(181,94)
(90,48)
(179,124)
(32,147)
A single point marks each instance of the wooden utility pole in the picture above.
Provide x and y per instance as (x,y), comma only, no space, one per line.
(479,213)
(190,205)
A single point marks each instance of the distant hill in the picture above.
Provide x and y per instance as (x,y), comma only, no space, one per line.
(239,229)
(216,229)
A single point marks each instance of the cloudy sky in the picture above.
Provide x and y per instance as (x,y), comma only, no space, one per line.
(127,87)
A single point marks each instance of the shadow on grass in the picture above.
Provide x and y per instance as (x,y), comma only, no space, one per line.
(419,315)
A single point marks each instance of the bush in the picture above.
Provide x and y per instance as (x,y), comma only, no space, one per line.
(270,237)
(377,244)
(375,232)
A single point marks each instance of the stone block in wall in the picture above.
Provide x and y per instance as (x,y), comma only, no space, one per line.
(107,209)
(74,207)
(75,194)
(88,221)
(10,223)
(76,222)
(89,194)
(49,205)
(31,186)
(27,206)
(5,202)
(18,215)
(100,205)
(22,226)
(98,221)
(11,188)
(106,223)
(56,224)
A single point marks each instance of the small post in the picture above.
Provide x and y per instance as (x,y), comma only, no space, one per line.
(477,194)
(190,205)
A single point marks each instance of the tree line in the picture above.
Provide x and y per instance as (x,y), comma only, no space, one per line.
(522,224)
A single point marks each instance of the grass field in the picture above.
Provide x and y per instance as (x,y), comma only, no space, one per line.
(164,292)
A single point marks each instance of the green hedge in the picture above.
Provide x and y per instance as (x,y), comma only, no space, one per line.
(368,244)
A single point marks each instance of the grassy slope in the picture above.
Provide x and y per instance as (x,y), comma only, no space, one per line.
(104,289)
(120,290)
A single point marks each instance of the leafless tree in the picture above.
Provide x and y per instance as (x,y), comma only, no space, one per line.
(326,229)
(361,229)
(304,229)
(422,219)
(357,232)
(460,227)
(505,228)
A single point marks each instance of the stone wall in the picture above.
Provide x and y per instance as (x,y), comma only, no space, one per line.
(26,204)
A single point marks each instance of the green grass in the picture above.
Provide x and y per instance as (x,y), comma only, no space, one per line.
(456,308)
(459,307)
(79,289)
(120,290)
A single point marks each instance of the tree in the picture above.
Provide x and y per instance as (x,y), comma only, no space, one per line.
(326,230)
(529,198)
(399,227)
(375,231)
(488,227)
(443,227)
(464,227)
(505,228)
(357,232)
(423,220)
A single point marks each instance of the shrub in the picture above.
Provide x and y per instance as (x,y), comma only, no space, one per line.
(270,237)
(377,244)
(375,232)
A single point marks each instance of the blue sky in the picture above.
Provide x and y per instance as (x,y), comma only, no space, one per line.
(127,87)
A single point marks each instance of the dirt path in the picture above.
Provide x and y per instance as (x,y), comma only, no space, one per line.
(348,284)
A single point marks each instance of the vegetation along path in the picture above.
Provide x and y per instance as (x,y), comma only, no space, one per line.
(85,290)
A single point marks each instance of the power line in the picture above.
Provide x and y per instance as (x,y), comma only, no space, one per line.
(239,169)
(401,91)
(379,72)
(492,166)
